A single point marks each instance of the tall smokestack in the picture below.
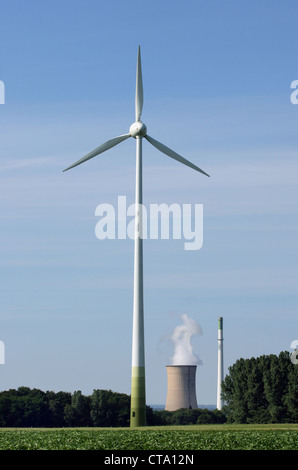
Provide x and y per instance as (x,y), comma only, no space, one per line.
(181,387)
(220,369)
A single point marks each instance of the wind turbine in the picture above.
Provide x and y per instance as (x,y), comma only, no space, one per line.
(138,130)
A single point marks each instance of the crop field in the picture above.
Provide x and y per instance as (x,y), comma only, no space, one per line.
(199,437)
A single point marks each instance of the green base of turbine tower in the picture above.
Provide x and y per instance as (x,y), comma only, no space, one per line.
(138,398)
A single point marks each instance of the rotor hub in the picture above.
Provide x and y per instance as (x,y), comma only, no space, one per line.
(138,129)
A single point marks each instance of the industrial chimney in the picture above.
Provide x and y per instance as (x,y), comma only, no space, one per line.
(181,387)
(220,371)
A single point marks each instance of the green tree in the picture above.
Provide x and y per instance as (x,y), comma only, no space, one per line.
(256,399)
(5,406)
(108,408)
(261,390)
(35,409)
(291,399)
(99,408)
(81,407)
(234,391)
(57,403)
(70,416)
(276,385)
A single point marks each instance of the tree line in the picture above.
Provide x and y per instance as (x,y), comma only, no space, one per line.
(256,390)
(262,390)
(27,407)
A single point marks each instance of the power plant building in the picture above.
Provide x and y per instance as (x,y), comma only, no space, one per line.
(181,392)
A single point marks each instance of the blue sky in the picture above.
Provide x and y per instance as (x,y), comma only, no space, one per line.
(217,79)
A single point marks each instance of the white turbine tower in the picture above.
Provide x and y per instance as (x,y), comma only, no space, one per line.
(137,130)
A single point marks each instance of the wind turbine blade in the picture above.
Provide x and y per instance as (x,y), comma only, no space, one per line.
(139,88)
(102,148)
(173,154)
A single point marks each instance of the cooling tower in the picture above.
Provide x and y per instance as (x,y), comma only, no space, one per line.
(181,387)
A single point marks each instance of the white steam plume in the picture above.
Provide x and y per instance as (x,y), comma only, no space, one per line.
(181,337)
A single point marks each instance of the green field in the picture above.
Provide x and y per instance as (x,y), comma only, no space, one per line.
(197,437)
